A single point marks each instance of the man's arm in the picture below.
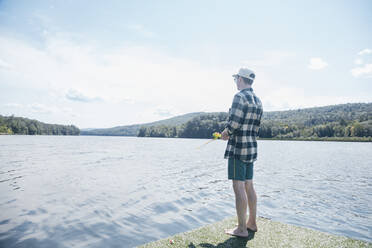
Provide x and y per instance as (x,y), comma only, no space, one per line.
(236,117)
(257,128)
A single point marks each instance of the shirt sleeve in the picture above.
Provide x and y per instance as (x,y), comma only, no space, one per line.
(257,126)
(259,116)
(236,115)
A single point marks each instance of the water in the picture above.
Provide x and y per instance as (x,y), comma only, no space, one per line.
(126,191)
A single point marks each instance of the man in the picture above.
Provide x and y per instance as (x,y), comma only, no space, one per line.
(241,151)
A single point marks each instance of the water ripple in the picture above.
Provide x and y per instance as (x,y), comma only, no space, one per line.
(123,191)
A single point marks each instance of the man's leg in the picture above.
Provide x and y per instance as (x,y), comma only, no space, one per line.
(241,209)
(236,173)
(240,203)
(252,203)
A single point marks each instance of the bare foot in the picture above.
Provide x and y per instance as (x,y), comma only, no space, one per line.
(237,232)
(251,228)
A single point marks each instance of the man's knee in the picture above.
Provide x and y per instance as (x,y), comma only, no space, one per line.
(239,186)
(249,186)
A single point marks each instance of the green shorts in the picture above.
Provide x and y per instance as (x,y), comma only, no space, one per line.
(239,170)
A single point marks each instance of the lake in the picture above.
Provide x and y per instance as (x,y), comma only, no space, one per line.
(86,191)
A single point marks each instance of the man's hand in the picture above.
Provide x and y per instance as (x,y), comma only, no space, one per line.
(224,135)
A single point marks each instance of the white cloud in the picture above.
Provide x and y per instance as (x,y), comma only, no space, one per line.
(135,84)
(363,69)
(269,58)
(286,98)
(36,108)
(358,61)
(13,105)
(317,64)
(41,108)
(129,78)
(366,71)
(4,65)
(75,95)
(140,29)
(164,113)
(365,51)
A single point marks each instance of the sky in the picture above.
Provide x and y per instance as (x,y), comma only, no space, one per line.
(99,64)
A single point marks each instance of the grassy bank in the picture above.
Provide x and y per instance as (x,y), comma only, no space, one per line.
(270,234)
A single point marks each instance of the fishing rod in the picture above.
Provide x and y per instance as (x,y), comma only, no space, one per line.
(216,135)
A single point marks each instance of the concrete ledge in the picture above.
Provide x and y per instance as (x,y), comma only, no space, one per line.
(270,234)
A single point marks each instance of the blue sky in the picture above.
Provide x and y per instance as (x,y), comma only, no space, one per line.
(110,63)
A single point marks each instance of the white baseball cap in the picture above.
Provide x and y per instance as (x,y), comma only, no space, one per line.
(245,72)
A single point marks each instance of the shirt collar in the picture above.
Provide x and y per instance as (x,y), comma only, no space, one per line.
(250,89)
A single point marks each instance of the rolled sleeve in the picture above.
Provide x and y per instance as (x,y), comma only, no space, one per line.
(236,115)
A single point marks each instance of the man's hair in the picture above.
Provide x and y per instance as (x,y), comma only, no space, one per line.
(247,80)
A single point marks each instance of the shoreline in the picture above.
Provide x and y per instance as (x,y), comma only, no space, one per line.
(333,139)
(336,139)
(270,234)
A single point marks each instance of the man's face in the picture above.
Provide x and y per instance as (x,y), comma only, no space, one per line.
(238,82)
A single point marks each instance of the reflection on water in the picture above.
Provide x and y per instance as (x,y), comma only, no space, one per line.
(126,191)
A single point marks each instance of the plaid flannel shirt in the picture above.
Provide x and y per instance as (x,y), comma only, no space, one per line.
(243,125)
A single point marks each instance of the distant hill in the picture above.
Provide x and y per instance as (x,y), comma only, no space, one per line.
(321,115)
(344,122)
(25,126)
(352,119)
(132,130)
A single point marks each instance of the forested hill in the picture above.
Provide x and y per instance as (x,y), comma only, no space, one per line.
(343,120)
(322,115)
(132,130)
(19,125)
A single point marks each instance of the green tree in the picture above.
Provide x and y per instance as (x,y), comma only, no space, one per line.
(142,132)
(357,130)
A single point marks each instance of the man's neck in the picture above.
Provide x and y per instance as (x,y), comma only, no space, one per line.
(246,87)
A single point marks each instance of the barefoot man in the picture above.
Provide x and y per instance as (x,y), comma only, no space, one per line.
(241,151)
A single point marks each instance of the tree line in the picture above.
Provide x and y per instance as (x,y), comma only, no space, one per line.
(19,125)
(344,120)
(199,127)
